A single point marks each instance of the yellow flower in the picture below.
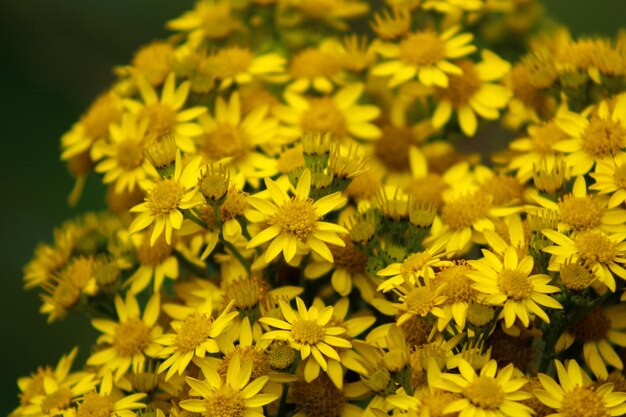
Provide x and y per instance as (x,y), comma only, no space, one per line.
(195,331)
(166,116)
(317,68)
(602,253)
(610,176)
(295,221)
(473,93)
(127,343)
(158,261)
(597,138)
(237,395)
(491,393)
(236,141)
(104,404)
(573,397)
(597,330)
(237,65)
(331,12)
(508,283)
(339,115)
(424,54)
(211,19)
(418,299)
(311,332)
(165,199)
(123,162)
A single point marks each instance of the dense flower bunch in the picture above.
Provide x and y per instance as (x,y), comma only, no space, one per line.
(300,222)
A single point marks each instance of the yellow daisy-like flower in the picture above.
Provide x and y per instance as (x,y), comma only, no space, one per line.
(597,138)
(418,299)
(237,65)
(195,331)
(339,115)
(156,261)
(472,93)
(129,341)
(602,253)
(492,393)
(211,19)
(580,211)
(237,395)
(234,140)
(56,396)
(312,333)
(610,176)
(165,199)
(104,404)
(123,162)
(508,283)
(424,54)
(295,221)
(331,12)
(573,397)
(597,330)
(317,68)
(167,116)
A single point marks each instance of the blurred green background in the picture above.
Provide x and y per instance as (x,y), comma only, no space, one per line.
(56,57)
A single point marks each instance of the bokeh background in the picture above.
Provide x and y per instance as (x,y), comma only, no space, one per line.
(55,57)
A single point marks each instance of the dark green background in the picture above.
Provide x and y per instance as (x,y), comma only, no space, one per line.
(56,56)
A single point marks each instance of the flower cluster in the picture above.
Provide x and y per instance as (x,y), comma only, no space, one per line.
(290,231)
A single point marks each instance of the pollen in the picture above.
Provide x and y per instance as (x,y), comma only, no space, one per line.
(422,49)
(465,210)
(583,402)
(580,213)
(161,119)
(248,354)
(154,255)
(322,117)
(594,247)
(298,218)
(234,205)
(592,327)
(95,405)
(131,337)
(280,355)
(461,87)
(436,402)
(194,331)
(307,332)
(312,63)
(419,301)
(129,154)
(319,398)
(515,284)
(225,402)
(165,196)
(458,287)
(575,276)
(56,401)
(479,314)
(214,183)
(603,137)
(226,141)
(232,61)
(485,393)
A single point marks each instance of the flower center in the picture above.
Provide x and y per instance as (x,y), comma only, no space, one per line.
(129,154)
(161,118)
(515,284)
(485,392)
(575,276)
(594,326)
(225,402)
(95,405)
(414,263)
(307,332)
(603,138)
(319,398)
(312,63)
(280,355)
(194,331)
(503,189)
(392,148)
(297,217)
(479,314)
(233,61)
(595,247)
(131,337)
(226,141)
(465,210)
(422,49)
(58,400)
(416,330)
(245,291)
(154,255)
(234,205)
(248,354)
(461,87)
(427,190)
(580,213)
(419,301)
(619,176)
(322,117)
(458,286)
(583,402)
(165,196)
(436,402)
